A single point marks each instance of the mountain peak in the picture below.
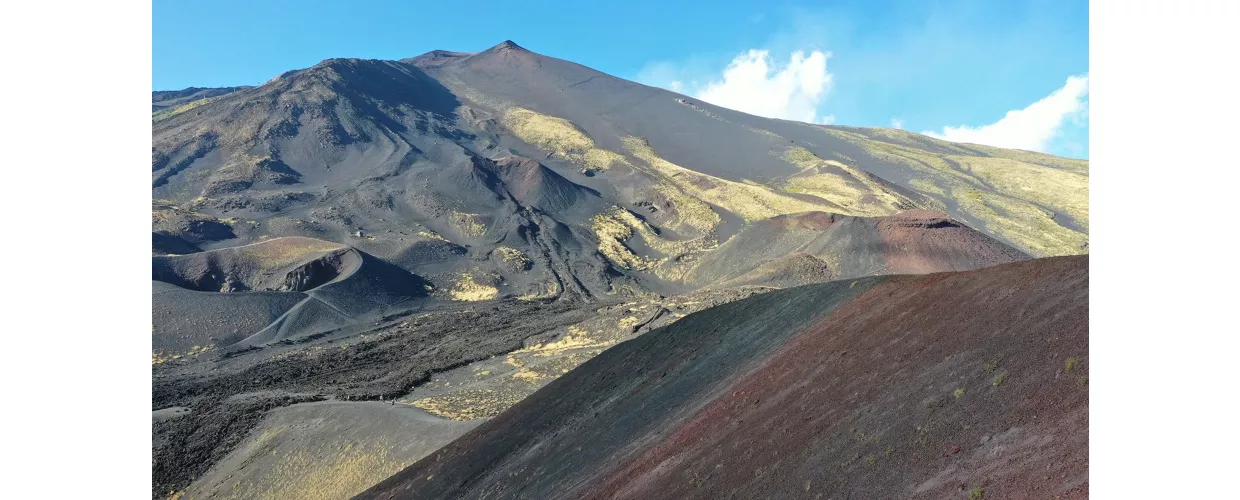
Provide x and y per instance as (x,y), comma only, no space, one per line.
(508,45)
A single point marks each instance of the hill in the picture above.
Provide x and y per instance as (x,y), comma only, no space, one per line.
(276,290)
(890,387)
(624,185)
(457,230)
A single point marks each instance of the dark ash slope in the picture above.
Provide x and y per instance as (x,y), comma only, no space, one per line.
(894,387)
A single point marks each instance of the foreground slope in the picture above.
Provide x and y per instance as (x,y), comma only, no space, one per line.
(890,387)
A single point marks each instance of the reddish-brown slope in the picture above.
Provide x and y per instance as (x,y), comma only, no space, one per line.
(931,386)
(865,404)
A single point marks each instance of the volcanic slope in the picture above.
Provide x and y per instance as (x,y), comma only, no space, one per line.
(279,289)
(756,167)
(970,383)
(494,219)
(527,175)
(180,101)
(815,247)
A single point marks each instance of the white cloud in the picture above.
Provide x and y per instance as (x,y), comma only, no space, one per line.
(676,86)
(751,83)
(1031,128)
(827,120)
(897,123)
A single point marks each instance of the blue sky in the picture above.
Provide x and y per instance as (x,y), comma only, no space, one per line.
(1007,73)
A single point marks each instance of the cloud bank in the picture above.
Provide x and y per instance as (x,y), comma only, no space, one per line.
(753,84)
(1033,127)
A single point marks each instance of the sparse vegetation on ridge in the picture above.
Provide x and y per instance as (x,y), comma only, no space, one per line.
(1016,193)
(560,137)
(749,202)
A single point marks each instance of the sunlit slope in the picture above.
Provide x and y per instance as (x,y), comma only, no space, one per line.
(754,168)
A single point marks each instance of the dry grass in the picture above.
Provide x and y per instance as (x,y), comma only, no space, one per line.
(576,338)
(470,404)
(467,289)
(749,202)
(612,232)
(1061,190)
(513,257)
(616,226)
(689,215)
(432,235)
(549,133)
(325,470)
(159,357)
(1016,200)
(560,137)
(167,113)
(469,225)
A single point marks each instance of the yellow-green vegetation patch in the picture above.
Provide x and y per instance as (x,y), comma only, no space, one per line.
(691,215)
(1070,364)
(470,404)
(167,216)
(612,232)
(913,140)
(1011,198)
(765,132)
(616,226)
(927,186)
(546,361)
(431,235)
(1027,226)
(328,470)
(576,338)
(281,252)
(657,242)
(560,137)
(468,289)
(628,322)
(596,160)
(749,202)
(801,157)
(855,192)
(159,357)
(550,133)
(467,224)
(1061,190)
(1069,164)
(167,113)
(512,256)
